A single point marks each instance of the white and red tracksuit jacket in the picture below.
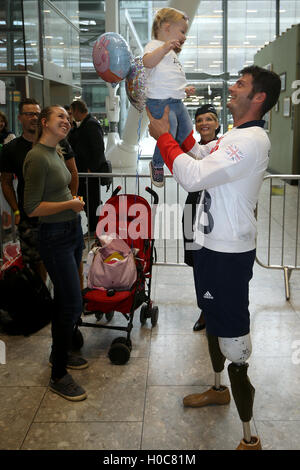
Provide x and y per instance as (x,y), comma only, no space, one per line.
(231,171)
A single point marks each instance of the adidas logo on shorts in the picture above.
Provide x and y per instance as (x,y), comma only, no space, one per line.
(208,295)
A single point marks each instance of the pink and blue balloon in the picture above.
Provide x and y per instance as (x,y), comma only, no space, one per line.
(112,57)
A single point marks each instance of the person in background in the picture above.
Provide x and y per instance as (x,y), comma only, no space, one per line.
(11,164)
(47,196)
(207,125)
(5,134)
(88,144)
(71,119)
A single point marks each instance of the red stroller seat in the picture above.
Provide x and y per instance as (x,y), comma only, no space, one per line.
(129,216)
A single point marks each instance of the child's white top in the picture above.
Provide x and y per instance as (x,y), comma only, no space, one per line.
(167,79)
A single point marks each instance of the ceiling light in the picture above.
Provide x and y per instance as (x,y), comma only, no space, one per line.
(251,11)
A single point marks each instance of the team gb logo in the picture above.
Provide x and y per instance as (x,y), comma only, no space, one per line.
(233,153)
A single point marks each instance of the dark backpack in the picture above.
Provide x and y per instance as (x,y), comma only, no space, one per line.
(106,168)
(26,299)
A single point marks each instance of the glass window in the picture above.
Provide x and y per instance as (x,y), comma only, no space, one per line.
(289,14)
(11,36)
(70,8)
(202,51)
(3,51)
(92,25)
(61,43)
(36,89)
(32,35)
(251,25)
(12,91)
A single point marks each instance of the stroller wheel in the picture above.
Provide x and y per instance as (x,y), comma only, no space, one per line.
(143,314)
(77,339)
(119,353)
(122,339)
(109,316)
(154,316)
(98,315)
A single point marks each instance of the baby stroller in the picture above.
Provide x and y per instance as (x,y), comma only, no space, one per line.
(106,302)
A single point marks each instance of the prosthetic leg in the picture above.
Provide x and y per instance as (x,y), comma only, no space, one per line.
(218,394)
(238,351)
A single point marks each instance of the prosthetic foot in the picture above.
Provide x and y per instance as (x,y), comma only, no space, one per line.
(254,444)
(213,396)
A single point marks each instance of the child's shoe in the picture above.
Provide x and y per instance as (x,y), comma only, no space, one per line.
(157,175)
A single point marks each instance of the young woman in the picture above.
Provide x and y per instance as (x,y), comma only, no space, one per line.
(48,196)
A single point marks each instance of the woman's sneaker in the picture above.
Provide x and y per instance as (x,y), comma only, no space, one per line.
(74,362)
(157,175)
(67,388)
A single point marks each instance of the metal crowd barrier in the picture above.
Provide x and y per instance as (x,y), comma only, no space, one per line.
(280,210)
(278,206)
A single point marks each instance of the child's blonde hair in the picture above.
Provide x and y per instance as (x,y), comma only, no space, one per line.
(166,15)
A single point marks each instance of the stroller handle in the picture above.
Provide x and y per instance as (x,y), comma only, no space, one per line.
(153,193)
(116,191)
(149,190)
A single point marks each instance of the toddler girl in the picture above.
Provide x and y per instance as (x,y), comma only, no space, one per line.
(166,83)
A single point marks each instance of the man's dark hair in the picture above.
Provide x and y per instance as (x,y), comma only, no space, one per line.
(264,81)
(27,101)
(80,106)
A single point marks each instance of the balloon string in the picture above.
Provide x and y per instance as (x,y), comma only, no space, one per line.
(139,152)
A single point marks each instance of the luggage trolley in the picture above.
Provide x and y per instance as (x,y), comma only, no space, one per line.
(132,215)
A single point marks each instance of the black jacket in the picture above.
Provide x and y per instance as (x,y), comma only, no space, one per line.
(88,145)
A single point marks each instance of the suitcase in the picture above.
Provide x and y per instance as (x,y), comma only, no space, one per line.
(26,299)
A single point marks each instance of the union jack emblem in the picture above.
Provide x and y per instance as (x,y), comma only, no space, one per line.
(233,153)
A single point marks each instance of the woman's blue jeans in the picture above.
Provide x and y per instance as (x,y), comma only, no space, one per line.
(180,122)
(61,245)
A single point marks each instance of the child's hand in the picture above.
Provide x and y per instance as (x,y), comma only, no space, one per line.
(190,90)
(172,44)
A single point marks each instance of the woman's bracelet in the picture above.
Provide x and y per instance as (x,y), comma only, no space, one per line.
(17,212)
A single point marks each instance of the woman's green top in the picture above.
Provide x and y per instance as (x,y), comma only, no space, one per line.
(46,179)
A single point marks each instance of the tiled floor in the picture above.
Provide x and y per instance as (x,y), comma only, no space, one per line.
(139,405)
